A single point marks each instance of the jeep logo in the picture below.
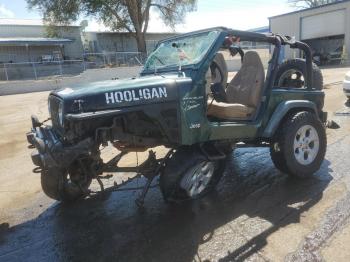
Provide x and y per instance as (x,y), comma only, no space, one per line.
(136,95)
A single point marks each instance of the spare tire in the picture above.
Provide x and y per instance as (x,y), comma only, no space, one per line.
(291,74)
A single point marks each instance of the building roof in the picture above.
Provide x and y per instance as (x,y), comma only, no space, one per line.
(20,41)
(9,21)
(128,33)
(262,29)
(24,22)
(311,8)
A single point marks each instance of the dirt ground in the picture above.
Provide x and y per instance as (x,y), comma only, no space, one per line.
(256,213)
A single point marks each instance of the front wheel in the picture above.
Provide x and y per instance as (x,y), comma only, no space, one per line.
(65,185)
(299,146)
(188,174)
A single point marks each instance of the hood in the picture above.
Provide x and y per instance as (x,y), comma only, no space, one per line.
(120,93)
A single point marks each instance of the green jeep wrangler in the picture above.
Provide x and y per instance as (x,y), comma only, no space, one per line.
(185,101)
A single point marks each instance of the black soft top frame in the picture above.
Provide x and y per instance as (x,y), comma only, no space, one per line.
(278,41)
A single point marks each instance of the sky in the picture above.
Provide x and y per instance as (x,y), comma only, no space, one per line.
(237,14)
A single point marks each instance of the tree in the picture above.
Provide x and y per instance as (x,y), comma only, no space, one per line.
(310,3)
(120,15)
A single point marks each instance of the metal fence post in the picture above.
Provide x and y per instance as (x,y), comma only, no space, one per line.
(7,76)
(84,66)
(60,66)
(104,59)
(34,69)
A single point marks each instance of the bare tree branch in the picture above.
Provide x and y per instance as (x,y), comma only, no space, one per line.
(119,19)
(145,16)
(300,4)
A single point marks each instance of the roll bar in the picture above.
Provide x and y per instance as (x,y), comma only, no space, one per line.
(286,40)
(278,41)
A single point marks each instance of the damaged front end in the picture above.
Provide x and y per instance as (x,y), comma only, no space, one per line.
(49,150)
(67,153)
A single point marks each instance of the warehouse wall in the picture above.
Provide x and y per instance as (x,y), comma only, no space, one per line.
(13,54)
(73,50)
(119,42)
(290,24)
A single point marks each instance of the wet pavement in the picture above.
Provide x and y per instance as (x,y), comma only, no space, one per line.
(256,213)
(252,202)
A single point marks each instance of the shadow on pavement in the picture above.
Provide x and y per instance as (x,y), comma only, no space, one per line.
(4,228)
(114,229)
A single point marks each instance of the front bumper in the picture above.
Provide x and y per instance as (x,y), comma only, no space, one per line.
(49,150)
(45,142)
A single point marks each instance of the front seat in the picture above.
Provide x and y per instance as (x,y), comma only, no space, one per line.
(243,92)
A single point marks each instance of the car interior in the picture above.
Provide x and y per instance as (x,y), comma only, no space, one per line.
(240,98)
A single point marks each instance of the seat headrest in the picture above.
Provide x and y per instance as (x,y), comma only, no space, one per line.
(251,58)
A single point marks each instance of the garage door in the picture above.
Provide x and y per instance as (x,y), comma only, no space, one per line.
(326,24)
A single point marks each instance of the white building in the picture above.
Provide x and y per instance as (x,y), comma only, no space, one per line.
(100,42)
(325,28)
(27,41)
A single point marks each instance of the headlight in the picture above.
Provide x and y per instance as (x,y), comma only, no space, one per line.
(60,114)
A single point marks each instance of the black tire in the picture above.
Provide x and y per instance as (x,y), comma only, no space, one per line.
(282,149)
(297,67)
(51,182)
(278,159)
(175,168)
(56,185)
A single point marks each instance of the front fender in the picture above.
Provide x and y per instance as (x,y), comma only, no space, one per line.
(282,110)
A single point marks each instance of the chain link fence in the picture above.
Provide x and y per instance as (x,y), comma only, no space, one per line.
(112,59)
(234,63)
(38,70)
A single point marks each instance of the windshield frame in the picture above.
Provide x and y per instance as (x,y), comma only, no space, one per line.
(170,68)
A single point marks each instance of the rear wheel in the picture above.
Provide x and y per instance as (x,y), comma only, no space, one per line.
(299,145)
(65,185)
(188,174)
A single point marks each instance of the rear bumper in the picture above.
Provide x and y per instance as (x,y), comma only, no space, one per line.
(50,151)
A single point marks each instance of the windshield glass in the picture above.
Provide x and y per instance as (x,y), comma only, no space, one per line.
(181,51)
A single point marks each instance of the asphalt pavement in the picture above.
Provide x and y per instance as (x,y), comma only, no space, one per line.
(255,214)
